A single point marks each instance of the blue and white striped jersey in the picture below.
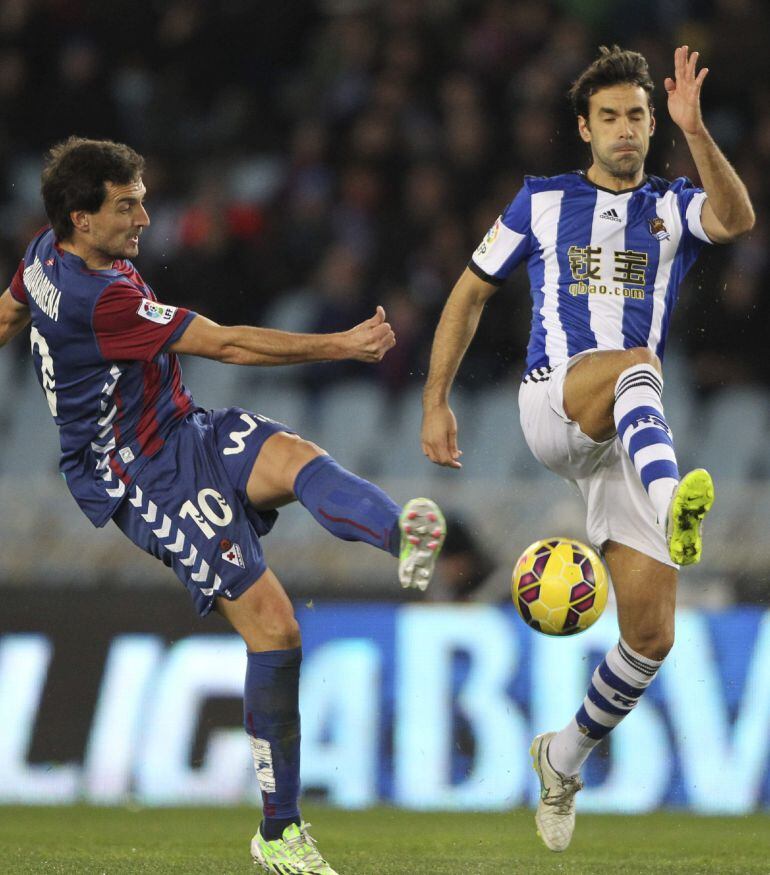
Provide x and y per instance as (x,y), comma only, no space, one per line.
(604,267)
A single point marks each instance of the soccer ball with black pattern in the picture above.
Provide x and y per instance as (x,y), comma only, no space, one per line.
(559,586)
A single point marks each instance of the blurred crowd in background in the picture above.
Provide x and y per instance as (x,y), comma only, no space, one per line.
(308,160)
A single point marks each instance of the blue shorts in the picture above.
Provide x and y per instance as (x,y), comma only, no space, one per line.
(188,505)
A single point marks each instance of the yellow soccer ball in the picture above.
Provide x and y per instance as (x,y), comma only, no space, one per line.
(559,586)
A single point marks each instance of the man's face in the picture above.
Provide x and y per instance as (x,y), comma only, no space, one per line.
(619,127)
(115,229)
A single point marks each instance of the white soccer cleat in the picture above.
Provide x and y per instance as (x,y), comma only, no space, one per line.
(423,530)
(555,815)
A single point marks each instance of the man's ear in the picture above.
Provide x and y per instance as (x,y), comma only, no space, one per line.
(80,220)
(652,124)
(584,129)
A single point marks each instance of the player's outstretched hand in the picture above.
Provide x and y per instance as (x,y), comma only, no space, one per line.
(684,91)
(439,436)
(371,339)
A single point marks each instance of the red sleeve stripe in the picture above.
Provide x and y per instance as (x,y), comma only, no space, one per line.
(18,291)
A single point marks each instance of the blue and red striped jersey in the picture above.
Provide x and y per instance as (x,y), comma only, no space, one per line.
(98,342)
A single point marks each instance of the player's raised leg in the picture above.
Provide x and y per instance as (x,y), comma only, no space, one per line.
(264,618)
(348,506)
(621,392)
(646,598)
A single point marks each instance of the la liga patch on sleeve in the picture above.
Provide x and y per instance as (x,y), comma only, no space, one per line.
(161,314)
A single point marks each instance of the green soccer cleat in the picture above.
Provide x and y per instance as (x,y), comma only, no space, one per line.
(293,854)
(423,530)
(691,501)
(555,815)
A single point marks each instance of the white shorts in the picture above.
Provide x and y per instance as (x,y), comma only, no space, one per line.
(618,508)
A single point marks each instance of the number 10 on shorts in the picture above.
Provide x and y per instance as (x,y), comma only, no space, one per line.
(211,508)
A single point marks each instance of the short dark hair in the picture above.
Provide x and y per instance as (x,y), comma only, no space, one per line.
(75,174)
(614,66)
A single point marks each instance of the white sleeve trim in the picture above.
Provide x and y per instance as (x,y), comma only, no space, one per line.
(497,247)
(693,217)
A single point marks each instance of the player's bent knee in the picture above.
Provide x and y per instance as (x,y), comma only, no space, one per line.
(283,632)
(305,450)
(642,355)
(296,452)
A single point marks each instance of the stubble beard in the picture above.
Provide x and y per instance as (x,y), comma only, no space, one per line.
(625,169)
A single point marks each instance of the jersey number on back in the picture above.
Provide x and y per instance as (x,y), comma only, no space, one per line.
(37,341)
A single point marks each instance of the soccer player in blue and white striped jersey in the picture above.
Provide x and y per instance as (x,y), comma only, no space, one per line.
(606,250)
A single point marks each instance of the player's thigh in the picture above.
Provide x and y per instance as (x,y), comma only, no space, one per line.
(589,388)
(261,456)
(555,441)
(184,508)
(263,615)
(645,591)
(275,469)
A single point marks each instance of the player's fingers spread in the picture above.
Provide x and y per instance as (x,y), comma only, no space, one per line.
(679,59)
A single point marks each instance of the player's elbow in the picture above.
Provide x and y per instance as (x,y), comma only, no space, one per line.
(747,223)
(741,224)
(206,339)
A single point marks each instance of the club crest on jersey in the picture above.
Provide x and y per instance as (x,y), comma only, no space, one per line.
(162,314)
(232,553)
(658,228)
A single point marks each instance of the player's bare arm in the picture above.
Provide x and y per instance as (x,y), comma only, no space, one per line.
(246,345)
(13,317)
(727,213)
(456,328)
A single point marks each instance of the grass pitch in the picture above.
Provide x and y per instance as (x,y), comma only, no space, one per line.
(382,841)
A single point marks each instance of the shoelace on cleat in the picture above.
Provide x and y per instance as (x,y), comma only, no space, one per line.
(561,802)
(304,845)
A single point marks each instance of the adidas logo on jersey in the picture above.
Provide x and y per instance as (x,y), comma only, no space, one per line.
(610,214)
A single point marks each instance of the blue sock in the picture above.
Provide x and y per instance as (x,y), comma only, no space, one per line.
(271,718)
(348,506)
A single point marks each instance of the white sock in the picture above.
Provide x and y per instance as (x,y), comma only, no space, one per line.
(616,686)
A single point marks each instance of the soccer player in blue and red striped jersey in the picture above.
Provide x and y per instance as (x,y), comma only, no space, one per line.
(606,250)
(197,489)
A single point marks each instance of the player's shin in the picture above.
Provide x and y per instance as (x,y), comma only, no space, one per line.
(642,427)
(271,718)
(617,684)
(348,506)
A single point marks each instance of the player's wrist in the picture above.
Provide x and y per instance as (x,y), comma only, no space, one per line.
(435,400)
(696,132)
(338,346)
